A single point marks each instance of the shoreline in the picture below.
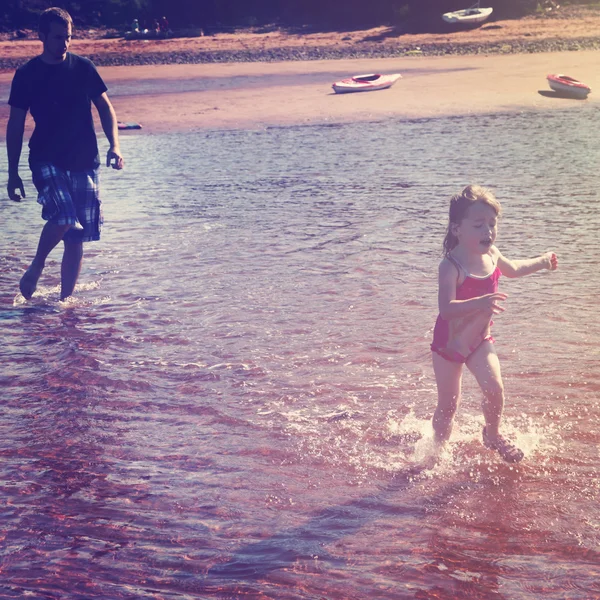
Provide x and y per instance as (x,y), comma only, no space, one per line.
(315,53)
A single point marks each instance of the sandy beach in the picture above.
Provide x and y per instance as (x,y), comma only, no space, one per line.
(234,81)
(300,92)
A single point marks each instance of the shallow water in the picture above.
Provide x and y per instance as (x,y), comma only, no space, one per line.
(237,400)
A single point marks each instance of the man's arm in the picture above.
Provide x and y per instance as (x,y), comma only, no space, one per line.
(108,118)
(15,129)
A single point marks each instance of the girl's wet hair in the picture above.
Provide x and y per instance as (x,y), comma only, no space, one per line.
(460,204)
(54,15)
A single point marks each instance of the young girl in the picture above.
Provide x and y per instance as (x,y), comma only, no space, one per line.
(468,298)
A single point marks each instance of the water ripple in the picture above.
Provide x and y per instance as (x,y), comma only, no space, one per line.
(237,400)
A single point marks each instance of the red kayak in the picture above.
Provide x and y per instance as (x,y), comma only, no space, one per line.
(568,86)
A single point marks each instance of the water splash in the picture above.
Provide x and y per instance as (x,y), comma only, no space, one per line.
(50,295)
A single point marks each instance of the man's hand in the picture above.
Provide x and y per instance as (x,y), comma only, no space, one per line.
(15,183)
(114,159)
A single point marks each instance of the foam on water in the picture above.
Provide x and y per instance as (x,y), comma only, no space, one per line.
(50,295)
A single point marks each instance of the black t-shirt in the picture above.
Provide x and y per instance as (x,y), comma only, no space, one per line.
(59,99)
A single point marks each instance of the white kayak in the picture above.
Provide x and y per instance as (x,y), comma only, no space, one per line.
(468,16)
(568,86)
(365,83)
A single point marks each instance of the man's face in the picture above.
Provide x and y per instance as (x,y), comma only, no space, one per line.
(56,42)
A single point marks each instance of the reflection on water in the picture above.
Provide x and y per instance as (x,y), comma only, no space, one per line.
(236,402)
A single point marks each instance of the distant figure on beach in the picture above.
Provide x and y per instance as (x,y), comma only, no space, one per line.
(58,87)
(468,297)
(135,26)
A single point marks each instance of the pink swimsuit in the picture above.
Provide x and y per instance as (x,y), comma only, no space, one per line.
(471,287)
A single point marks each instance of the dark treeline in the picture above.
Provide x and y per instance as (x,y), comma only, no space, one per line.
(331,14)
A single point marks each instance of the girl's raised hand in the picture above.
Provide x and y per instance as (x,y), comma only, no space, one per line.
(489,302)
(552,261)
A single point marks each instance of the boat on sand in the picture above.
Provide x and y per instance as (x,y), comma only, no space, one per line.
(365,83)
(468,16)
(567,86)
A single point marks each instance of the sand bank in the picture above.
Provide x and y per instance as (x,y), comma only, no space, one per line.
(259,95)
(175,98)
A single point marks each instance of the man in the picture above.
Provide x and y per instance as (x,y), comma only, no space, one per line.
(58,88)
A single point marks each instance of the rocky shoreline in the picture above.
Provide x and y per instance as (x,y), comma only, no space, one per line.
(359,50)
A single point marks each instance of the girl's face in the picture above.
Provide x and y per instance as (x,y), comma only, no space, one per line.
(477,231)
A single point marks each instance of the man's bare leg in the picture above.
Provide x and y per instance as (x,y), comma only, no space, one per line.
(70,267)
(51,235)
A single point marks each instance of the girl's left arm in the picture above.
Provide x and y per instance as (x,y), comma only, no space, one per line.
(520,268)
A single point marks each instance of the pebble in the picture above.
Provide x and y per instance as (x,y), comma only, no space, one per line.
(359,50)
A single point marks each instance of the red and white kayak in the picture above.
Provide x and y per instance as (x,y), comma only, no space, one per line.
(365,83)
(568,86)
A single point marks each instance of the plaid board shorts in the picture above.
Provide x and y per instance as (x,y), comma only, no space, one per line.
(70,198)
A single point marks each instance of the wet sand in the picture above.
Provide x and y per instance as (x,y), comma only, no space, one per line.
(253,95)
(300,92)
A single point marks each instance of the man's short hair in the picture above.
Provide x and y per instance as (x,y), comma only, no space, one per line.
(54,15)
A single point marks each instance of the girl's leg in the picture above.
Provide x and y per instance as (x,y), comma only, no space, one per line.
(484,364)
(448,376)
